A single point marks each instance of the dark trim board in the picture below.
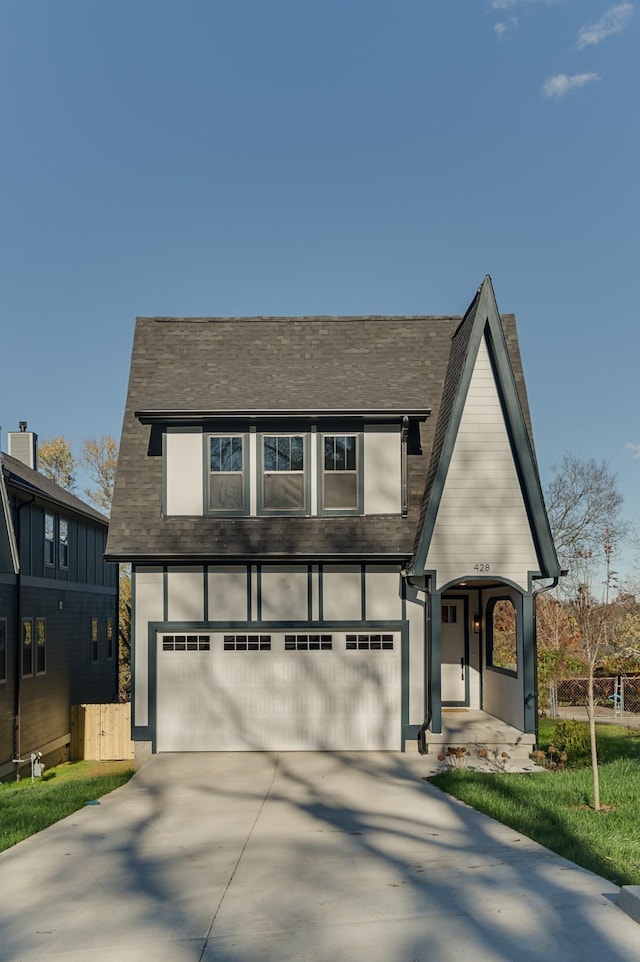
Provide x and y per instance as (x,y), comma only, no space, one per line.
(148,733)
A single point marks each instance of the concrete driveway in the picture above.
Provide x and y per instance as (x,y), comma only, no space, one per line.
(307,857)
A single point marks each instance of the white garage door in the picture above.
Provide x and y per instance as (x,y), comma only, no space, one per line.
(281,691)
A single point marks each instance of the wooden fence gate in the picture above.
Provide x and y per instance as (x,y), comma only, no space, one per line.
(101,732)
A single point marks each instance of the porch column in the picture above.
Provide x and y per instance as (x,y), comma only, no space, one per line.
(529,693)
(435,662)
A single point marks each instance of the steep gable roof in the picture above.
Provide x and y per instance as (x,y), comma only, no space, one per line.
(21,476)
(483,320)
(199,370)
(9,561)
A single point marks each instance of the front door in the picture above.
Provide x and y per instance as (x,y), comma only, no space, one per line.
(455,653)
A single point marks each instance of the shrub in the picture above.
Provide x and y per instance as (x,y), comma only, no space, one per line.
(572,737)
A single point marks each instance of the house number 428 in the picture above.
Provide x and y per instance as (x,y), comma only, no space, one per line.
(482,566)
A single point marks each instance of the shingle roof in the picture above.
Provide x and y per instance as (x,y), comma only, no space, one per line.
(276,364)
(35,483)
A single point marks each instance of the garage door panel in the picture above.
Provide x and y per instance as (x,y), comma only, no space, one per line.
(277,699)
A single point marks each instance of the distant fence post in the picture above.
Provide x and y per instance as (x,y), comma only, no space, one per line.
(553,701)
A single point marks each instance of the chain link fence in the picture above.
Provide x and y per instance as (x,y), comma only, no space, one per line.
(613,696)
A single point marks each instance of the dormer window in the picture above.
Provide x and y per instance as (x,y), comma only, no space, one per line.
(340,473)
(284,487)
(227,474)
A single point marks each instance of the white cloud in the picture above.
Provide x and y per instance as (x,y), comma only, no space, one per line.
(613,21)
(560,84)
(635,448)
(502,28)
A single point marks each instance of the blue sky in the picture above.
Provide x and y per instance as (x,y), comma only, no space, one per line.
(339,157)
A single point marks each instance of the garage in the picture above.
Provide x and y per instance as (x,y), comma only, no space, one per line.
(278,690)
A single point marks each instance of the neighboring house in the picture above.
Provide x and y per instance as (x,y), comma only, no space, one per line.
(58,608)
(335,527)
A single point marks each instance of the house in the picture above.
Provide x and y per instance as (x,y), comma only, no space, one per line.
(58,608)
(336,530)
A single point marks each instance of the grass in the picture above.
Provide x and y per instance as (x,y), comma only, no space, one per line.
(554,808)
(27,808)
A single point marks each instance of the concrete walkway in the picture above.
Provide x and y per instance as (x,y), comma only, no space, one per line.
(299,857)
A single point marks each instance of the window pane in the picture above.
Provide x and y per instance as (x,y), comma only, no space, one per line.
(214,450)
(340,490)
(270,453)
(329,454)
(236,454)
(297,454)
(283,462)
(27,648)
(225,454)
(340,453)
(284,491)
(48,526)
(350,453)
(226,492)
(41,641)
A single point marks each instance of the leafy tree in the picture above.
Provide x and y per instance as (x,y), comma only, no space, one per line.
(557,643)
(100,459)
(57,462)
(124,635)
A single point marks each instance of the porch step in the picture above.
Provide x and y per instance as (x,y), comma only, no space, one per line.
(479,738)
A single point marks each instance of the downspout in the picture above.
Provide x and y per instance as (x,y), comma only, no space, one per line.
(540,591)
(18,651)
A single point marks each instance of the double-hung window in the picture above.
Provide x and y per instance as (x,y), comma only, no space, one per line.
(284,482)
(41,646)
(27,647)
(94,640)
(63,543)
(227,474)
(340,473)
(49,539)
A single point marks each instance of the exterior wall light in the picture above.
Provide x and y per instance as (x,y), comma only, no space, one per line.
(477,624)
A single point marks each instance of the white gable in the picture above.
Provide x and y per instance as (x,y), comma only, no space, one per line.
(482,520)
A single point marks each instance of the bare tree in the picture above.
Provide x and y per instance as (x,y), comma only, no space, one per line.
(583,504)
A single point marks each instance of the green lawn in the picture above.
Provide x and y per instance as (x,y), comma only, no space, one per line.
(554,808)
(27,808)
